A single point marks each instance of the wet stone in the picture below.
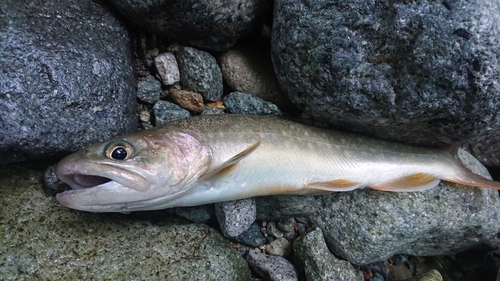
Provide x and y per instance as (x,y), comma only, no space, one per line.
(187,99)
(318,263)
(235,217)
(148,89)
(252,236)
(165,112)
(200,73)
(244,103)
(167,68)
(272,268)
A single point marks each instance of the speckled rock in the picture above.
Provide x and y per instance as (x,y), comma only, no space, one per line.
(487,151)
(314,258)
(246,70)
(149,89)
(271,268)
(167,68)
(188,100)
(235,216)
(252,236)
(415,71)
(365,226)
(244,103)
(43,240)
(198,214)
(212,25)
(279,247)
(66,78)
(165,112)
(200,73)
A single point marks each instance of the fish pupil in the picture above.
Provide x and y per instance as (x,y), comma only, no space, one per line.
(119,153)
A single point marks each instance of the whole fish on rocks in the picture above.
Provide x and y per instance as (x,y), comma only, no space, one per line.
(215,158)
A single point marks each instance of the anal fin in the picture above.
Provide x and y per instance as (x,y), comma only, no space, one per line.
(230,164)
(334,185)
(414,182)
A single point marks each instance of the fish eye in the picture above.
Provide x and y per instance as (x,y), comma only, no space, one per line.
(119,151)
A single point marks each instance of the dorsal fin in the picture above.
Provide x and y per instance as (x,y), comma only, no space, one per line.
(414,182)
(230,164)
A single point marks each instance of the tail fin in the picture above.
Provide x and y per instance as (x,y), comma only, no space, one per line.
(471,179)
(465,176)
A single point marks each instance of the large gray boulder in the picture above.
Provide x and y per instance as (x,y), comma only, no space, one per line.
(66,78)
(212,25)
(416,71)
(43,240)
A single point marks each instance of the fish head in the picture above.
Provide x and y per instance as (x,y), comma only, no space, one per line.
(139,171)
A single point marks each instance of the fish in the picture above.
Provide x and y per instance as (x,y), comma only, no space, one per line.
(215,158)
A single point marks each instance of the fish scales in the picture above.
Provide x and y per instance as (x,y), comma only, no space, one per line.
(216,158)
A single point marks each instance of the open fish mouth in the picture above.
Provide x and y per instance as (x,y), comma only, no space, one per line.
(88,181)
(91,176)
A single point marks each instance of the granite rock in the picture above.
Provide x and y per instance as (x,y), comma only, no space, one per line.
(149,89)
(212,25)
(252,236)
(165,112)
(66,78)
(167,68)
(244,103)
(235,217)
(271,268)
(314,258)
(200,73)
(417,71)
(43,240)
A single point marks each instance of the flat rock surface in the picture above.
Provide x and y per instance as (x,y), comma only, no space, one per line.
(43,240)
(66,78)
(416,71)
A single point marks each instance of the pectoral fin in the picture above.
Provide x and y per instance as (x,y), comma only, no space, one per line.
(230,164)
(414,182)
(334,185)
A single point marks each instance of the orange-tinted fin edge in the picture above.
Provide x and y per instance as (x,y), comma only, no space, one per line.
(414,182)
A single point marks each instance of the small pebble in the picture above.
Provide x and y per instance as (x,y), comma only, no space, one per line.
(272,268)
(279,247)
(51,180)
(187,99)
(148,90)
(167,68)
(235,217)
(272,229)
(144,115)
(252,236)
(165,112)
